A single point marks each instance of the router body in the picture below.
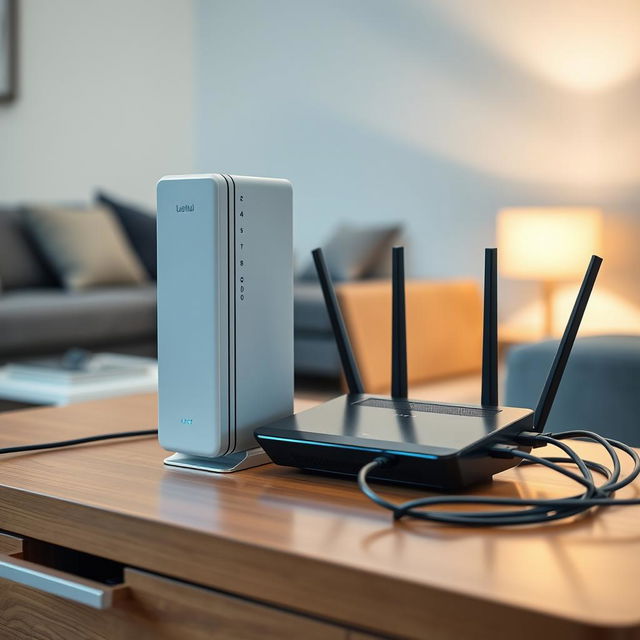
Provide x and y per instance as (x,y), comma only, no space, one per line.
(433,444)
(225,316)
(438,445)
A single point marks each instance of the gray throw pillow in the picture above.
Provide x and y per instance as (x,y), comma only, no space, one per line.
(354,252)
(85,248)
(140,227)
(20,264)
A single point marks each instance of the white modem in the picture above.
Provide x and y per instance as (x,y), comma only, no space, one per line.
(225,316)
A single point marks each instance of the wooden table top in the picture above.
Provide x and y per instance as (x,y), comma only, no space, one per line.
(313,543)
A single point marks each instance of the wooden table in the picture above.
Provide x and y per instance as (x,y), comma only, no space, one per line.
(276,553)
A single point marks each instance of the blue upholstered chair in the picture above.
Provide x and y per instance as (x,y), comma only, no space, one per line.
(600,390)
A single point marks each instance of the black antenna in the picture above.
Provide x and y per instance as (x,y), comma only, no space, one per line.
(566,344)
(348,360)
(399,328)
(490,330)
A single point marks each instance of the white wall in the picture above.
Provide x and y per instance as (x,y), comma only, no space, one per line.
(431,112)
(106,99)
(435,113)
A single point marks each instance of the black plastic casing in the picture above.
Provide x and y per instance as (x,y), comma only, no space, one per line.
(430,444)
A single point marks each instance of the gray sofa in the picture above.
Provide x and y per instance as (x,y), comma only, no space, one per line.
(47,320)
(38,321)
(352,253)
(38,316)
(315,351)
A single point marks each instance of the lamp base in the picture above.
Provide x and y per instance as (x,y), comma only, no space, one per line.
(548,291)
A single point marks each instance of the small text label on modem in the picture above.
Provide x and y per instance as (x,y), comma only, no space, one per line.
(185,208)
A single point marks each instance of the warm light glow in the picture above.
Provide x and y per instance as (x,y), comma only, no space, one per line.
(549,87)
(607,313)
(584,46)
(547,243)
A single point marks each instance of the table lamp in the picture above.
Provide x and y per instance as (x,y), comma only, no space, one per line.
(547,244)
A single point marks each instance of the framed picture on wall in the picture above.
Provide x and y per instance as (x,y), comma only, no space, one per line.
(8,49)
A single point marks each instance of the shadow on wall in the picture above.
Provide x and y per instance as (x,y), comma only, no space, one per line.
(406,111)
(472,87)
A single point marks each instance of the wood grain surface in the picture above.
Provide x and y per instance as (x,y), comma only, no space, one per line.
(314,544)
(153,608)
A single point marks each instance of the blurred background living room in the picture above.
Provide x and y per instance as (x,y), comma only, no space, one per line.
(443,126)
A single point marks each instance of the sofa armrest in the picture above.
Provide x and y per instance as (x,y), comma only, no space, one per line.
(444,329)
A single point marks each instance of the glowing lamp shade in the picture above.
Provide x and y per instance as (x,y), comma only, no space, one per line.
(548,243)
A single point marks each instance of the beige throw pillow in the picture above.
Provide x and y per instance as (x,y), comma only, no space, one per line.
(85,247)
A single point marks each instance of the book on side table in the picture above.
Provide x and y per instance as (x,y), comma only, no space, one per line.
(77,376)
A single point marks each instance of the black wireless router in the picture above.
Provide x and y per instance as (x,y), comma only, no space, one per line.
(438,445)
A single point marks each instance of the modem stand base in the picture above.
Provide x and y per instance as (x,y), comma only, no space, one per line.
(224,464)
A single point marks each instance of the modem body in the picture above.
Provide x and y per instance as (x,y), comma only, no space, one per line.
(433,444)
(225,311)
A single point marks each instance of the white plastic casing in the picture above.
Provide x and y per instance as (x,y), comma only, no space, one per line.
(225,310)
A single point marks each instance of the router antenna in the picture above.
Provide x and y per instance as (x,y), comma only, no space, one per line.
(399,328)
(566,344)
(348,360)
(490,330)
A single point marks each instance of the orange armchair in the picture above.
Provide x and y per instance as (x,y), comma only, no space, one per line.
(444,329)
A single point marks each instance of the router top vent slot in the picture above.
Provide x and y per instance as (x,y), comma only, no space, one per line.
(427,407)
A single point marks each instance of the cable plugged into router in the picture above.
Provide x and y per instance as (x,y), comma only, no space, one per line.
(444,446)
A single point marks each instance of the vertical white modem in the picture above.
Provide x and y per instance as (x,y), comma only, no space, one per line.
(225,316)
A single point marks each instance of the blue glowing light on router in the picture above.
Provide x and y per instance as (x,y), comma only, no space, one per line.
(409,454)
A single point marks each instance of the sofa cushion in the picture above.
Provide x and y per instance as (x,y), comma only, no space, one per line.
(140,227)
(20,263)
(316,355)
(309,311)
(40,320)
(86,248)
(354,252)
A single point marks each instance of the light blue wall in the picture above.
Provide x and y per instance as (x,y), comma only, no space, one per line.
(380,111)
